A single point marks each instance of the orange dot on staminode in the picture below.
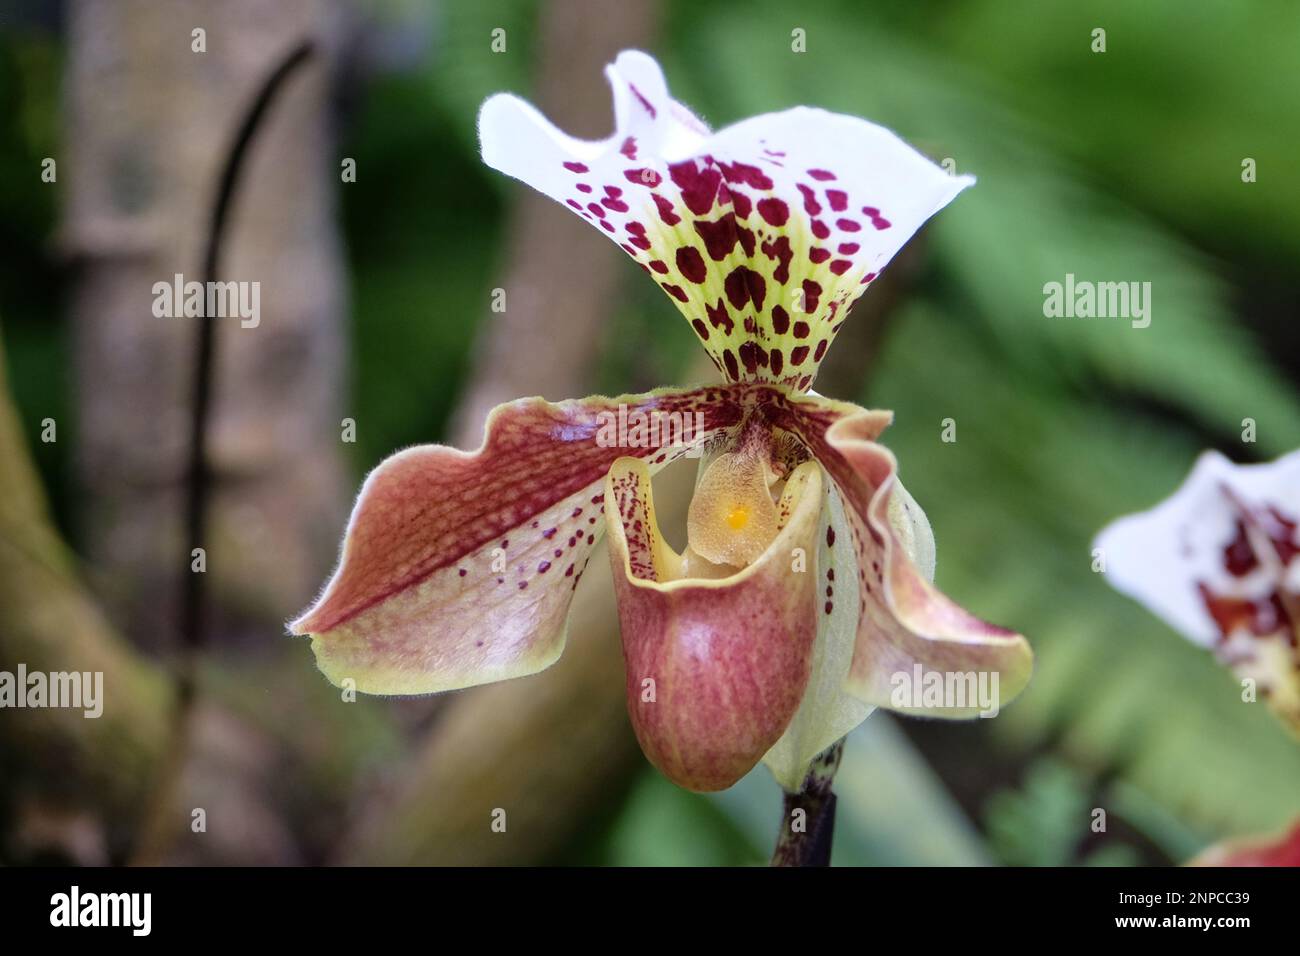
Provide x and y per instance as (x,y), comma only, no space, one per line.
(737,518)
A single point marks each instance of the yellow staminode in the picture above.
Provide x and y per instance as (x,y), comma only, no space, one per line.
(733,518)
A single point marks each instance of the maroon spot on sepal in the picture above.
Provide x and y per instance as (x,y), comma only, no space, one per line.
(744,205)
(753,356)
(643,177)
(676,291)
(737,286)
(877,220)
(596,210)
(780,320)
(841,266)
(691,264)
(719,236)
(821,175)
(817,255)
(821,350)
(582,187)
(820,229)
(719,317)
(838,199)
(1260,617)
(746,238)
(757,288)
(779,249)
(628,148)
(659,266)
(612,200)
(777,361)
(748,175)
(811,295)
(576,167)
(799,353)
(733,370)
(645,103)
(810,204)
(847,248)
(699,186)
(801,330)
(775,211)
(666,213)
(701,329)
(848,225)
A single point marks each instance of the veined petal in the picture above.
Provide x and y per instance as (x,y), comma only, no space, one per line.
(716,668)
(910,637)
(828,711)
(1219,561)
(763,233)
(458,568)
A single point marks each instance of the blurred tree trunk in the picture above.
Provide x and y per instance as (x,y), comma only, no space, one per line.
(58,765)
(555,749)
(149,121)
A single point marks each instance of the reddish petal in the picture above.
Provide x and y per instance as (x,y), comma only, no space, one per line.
(458,567)
(715,668)
(1267,851)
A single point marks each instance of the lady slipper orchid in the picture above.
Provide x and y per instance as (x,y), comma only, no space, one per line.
(1219,561)
(804,589)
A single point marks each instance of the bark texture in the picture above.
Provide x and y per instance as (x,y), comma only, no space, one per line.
(149,120)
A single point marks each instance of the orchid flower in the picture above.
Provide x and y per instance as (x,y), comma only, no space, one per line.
(1273,850)
(1218,562)
(805,585)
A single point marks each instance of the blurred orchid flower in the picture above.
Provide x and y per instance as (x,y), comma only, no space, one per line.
(1277,850)
(1218,562)
(804,588)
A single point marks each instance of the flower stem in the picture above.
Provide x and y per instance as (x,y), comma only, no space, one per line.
(808,824)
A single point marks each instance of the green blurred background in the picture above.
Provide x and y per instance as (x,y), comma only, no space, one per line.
(1122,165)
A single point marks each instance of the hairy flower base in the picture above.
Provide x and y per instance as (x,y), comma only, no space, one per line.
(458,568)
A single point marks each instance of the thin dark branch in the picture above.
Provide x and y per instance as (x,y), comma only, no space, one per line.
(154,831)
(199,475)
